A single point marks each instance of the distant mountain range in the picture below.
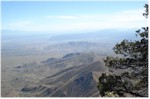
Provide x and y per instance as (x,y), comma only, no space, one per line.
(81,46)
(102,35)
(23,36)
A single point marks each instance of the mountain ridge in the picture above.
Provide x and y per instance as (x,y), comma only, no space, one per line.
(71,82)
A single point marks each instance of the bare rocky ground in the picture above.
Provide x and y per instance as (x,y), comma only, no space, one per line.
(46,72)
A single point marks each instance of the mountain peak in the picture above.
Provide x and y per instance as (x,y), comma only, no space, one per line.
(71,55)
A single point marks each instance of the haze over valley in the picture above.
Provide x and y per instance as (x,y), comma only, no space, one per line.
(57,49)
(39,65)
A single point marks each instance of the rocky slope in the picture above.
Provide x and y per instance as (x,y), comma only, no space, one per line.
(76,79)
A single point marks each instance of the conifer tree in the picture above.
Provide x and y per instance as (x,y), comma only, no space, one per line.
(133,61)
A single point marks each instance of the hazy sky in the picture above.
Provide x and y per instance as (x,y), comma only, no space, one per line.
(59,16)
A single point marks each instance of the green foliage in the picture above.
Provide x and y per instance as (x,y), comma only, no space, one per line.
(111,94)
(108,84)
(133,56)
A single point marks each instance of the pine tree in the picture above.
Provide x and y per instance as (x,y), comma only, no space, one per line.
(133,61)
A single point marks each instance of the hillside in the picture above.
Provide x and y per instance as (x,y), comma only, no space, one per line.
(57,76)
(73,82)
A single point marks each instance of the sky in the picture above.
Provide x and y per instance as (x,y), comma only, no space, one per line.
(71,16)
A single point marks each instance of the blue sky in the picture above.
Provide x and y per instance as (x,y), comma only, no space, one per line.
(57,16)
